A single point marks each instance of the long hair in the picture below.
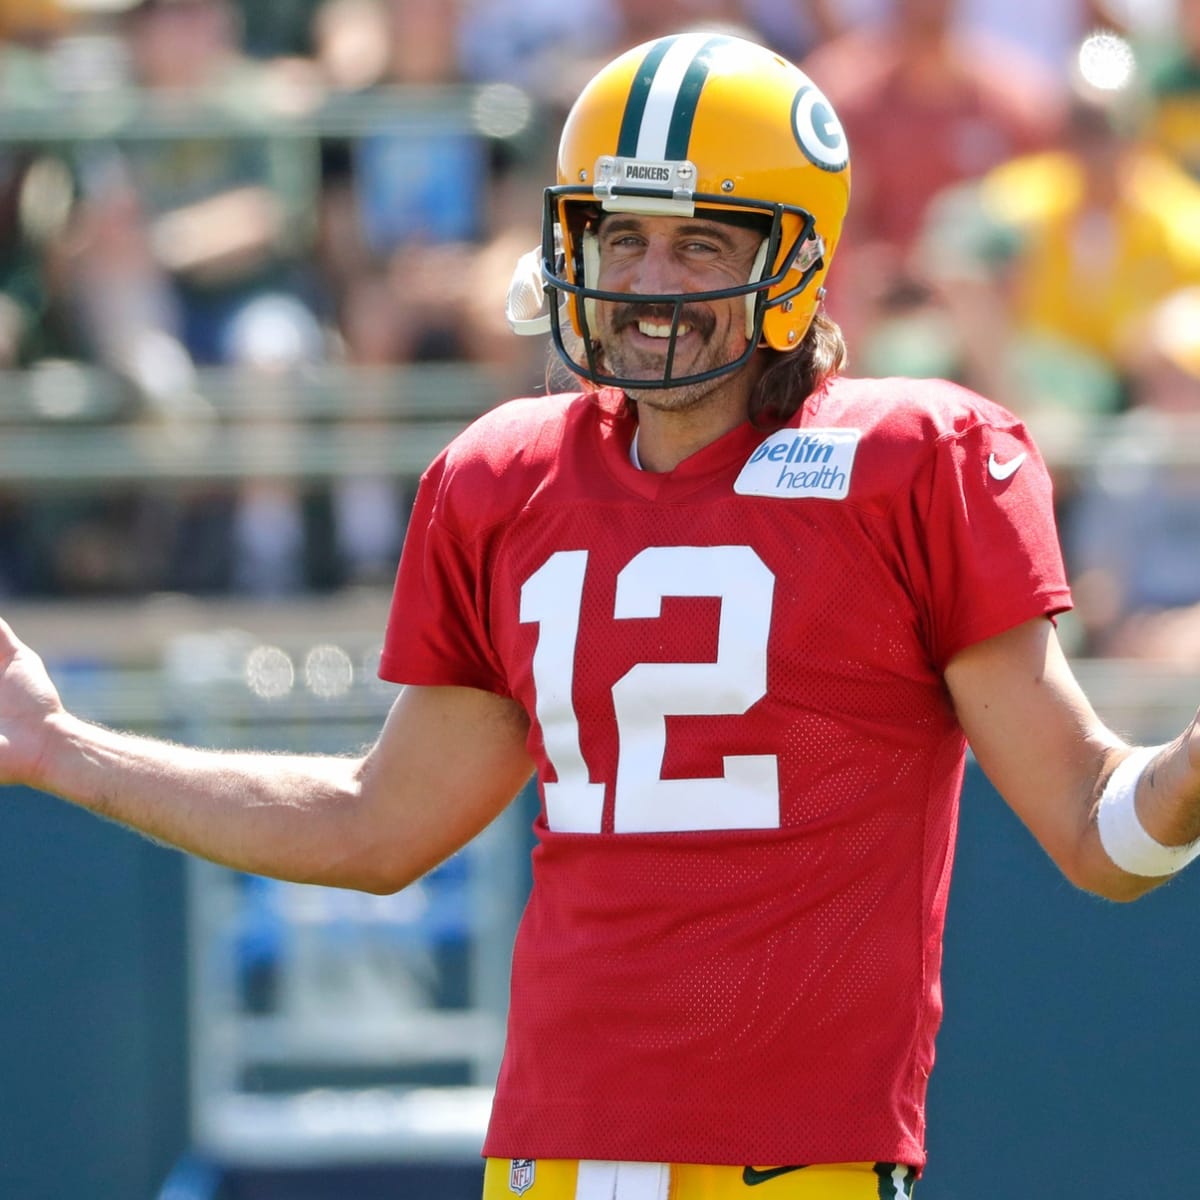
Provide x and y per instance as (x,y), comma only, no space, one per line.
(789,377)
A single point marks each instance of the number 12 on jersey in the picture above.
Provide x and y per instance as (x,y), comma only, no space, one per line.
(746,796)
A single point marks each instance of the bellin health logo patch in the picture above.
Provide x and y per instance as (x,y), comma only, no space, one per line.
(795,463)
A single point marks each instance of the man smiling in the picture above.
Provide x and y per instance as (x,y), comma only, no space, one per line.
(742,614)
(642,255)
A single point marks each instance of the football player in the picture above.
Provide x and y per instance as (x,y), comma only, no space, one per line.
(742,614)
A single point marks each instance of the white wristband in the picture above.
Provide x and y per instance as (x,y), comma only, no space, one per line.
(1123,835)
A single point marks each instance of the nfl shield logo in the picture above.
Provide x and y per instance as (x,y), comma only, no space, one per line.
(520,1175)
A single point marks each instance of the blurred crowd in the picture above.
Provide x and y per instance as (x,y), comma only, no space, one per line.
(1025,219)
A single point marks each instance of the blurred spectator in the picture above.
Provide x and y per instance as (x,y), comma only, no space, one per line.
(422,185)
(925,106)
(525,42)
(192,250)
(1047,32)
(402,210)
(1053,260)
(36,200)
(183,233)
(1106,227)
(1170,69)
(403,205)
(1135,526)
(417,217)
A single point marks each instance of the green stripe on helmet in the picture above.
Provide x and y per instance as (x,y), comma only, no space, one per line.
(639,93)
(687,97)
(680,132)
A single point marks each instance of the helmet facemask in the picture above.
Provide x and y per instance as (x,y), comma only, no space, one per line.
(570,272)
(690,126)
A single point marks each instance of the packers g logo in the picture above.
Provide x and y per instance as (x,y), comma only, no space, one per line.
(818,131)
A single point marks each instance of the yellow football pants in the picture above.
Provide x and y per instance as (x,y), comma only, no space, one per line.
(569,1179)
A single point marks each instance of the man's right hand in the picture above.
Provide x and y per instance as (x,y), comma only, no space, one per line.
(29,702)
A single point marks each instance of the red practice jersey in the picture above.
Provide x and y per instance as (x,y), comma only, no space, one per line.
(748,759)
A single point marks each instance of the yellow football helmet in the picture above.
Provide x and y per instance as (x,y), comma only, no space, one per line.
(702,124)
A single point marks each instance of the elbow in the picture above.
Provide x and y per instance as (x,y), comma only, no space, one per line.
(376,878)
(1108,881)
(385,884)
(370,882)
(1122,888)
(369,870)
(384,875)
(1086,865)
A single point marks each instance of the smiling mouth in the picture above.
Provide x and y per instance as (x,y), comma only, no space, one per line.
(655,321)
(653,330)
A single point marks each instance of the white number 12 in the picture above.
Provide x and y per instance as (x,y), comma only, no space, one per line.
(746,796)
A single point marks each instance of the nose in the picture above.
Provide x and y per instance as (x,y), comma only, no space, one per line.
(658,270)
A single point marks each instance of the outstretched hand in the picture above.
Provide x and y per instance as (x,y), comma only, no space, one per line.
(28,699)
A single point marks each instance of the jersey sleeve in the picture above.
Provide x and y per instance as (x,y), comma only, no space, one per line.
(982,540)
(436,631)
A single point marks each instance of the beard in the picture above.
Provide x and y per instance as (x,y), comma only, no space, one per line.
(635,363)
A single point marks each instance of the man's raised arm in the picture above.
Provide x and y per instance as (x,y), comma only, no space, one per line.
(446,762)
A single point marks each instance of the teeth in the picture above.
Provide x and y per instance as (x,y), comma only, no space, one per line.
(661,331)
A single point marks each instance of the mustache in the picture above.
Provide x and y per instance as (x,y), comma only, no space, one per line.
(631,312)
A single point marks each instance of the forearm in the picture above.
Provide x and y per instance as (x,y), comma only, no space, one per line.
(1168,792)
(1146,814)
(446,763)
(1050,756)
(284,815)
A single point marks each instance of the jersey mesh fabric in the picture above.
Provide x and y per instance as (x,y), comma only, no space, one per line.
(734,957)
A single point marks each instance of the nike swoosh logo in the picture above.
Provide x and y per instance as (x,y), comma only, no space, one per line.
(753,1176)
(1005,470)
